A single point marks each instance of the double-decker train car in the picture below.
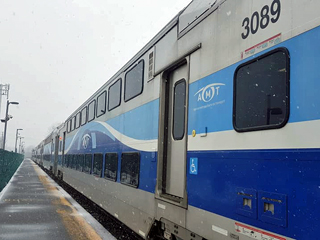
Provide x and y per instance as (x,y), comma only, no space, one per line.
(211,131)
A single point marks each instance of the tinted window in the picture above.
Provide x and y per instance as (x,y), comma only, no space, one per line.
(101,105)
(114,95)
(261,89)
(69,126)
(97,164)
(88,163)
(84,116)
(111,166)
(130,167)
(179,105)
(73,120)
(134,81)
(74,161)
(81,163)
(78,116)
(91,110)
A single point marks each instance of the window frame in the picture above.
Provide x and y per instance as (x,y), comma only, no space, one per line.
(85,163)
(86,116)
(105,164)
(173,107)
(94,109)
(286,117)
(125,81)
(110,109)
(93,166)
(105,103)
(78,114)
(139,163)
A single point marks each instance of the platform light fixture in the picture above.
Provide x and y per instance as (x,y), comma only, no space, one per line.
(6,121)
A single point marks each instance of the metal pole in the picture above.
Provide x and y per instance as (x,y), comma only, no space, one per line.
(5,126)
(20,144)
(15,146)
(17,139)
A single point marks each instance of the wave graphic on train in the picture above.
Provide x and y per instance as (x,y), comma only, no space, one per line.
(96,135)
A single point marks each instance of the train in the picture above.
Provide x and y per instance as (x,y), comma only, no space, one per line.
(211,131)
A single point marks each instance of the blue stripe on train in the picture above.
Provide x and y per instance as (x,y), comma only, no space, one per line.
(294,173)
(216,114)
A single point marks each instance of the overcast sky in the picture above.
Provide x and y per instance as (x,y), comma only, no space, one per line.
(55,54)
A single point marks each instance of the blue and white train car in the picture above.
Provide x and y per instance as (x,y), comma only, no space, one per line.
(211,131)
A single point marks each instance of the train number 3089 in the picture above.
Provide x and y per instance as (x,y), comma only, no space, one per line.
(261,20)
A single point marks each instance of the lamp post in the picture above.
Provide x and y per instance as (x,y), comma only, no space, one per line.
(5,123)
(15,148)
(20,144)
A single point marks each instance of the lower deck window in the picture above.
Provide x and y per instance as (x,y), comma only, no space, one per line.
(97,164)
(111,166)
(88,163)
(130,168)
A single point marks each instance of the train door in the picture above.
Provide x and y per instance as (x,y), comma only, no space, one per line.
(63,148)
(56,155)
(173,125)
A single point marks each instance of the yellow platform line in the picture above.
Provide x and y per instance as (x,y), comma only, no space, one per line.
(76,225)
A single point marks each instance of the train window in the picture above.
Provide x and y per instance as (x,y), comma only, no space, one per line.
(133,83)
(179,105)
(114,95)
(91,110)
(111,166)
(74,161)
(88,163)
(84,116)
(130,168)
(261,92)
(69,125)
(101,105)
(80,162)
(97,164)
(78,118)
(73,120)
(68,161)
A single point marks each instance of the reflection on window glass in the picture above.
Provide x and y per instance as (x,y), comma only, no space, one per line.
(130,167)
(69,126)
(84,116)
(97,164)
(74,161)
(88,163)
(78,116)
(111,166)
(80,162)
(91,110)
(179,106)
(134,81)
(72,123)
(101,105)
(114,95)
(262,92)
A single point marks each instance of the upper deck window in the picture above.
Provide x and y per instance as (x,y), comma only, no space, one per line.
(91,110)
(114,95)
(73,121)
(101,105)
(78,116)
(261,92)
(133,83)
(83,116)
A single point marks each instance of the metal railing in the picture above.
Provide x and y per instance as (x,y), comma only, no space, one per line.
(9,163)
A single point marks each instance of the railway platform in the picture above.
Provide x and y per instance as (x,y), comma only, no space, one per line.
(33,206)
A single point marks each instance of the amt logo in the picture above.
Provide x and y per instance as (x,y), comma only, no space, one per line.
(207,93)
